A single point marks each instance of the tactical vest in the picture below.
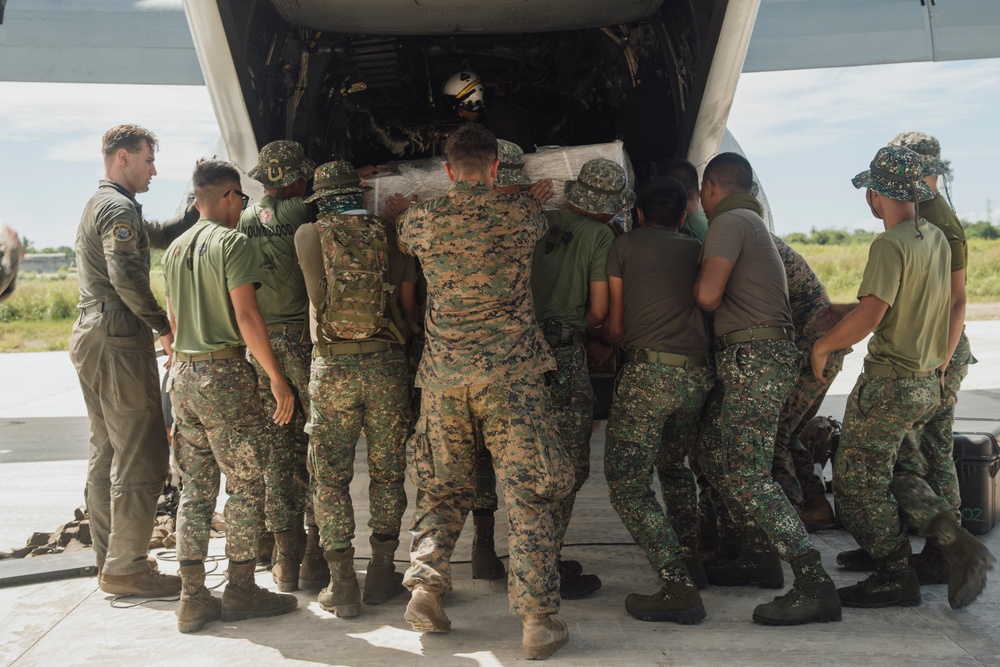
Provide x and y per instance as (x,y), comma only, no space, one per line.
(360,301)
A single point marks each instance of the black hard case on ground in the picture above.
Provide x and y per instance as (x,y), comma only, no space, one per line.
(977,461)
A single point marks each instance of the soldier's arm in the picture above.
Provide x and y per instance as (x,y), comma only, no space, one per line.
(956,317)
(162,234)
(614,327)
(254,333)
(711,283)
(851,330)
(128,272)
(597,310)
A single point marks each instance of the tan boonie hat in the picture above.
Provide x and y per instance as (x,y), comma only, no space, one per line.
(336,178)
(928,148)
(601,187)
(511,169)
(281,163)
(896,173)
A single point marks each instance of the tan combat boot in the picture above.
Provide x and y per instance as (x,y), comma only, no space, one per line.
(382,581)
(285,567)
(541,636)
(314,573)
(424,612)
(147,583)
(343,595)
(243,598)
(198,605)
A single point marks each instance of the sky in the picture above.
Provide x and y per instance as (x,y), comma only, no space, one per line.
(806,133)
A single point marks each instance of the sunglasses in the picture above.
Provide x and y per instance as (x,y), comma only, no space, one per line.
(243,197)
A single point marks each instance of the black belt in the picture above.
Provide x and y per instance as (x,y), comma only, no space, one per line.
(218,355)
(360,347)
(103,306)
(756,333)
(667,358)
(891,371)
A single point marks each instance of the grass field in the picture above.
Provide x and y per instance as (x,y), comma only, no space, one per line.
(40,315)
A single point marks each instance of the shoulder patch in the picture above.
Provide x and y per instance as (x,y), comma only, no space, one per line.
(265,215)
(122,232)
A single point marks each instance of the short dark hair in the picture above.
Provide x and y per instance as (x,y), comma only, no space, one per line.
(681,170)
(130,137)
(663,201)
(471,148)
(730,171)
(211,174)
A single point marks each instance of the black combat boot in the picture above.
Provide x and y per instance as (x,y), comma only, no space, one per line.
(856,560)
(930,564)
(813,598)
(677,600)
(761,568)
(893,583)
(382,581)
(573,583)
(696,571)
(485,563)
(343,595)
(968,559)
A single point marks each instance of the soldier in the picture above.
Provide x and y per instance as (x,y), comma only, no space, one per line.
(936,437)
(905,288)
(270,224)
(212,272)
(359,381)
(570,287)
(112,350)
(695,221)
(659,397)
(743,282)
(481,376)
(11,254)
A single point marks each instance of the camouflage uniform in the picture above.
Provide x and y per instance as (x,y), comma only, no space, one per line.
(271,224)
(10,257)
(112,350)
(481,372)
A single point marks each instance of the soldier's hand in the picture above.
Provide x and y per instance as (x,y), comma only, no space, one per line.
(167,342)
(396,204)
(366,171)
(818,359)
(542,190)
(286,402)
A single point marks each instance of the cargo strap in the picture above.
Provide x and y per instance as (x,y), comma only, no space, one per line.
(667,358)
(359,347)
(890,371)
(104,306)
(756,333)
(218,355)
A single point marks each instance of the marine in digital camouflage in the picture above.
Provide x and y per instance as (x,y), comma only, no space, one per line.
(601,187)
(878,433)
(218,431)
(654,421)
(533,468)
(352,393)
(281,163)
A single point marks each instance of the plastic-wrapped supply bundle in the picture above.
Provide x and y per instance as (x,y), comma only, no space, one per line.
(427,179)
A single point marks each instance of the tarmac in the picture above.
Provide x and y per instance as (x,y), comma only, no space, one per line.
(43,460)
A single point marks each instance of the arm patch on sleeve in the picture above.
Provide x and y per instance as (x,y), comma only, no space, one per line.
(122,233)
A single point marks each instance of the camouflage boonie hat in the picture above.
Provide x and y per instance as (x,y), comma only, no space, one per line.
(511,170)
(336,178)
(281,163)
(600,188)
(928,148)
(896,173)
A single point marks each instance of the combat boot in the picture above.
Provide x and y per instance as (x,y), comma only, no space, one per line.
(813,597)
(893,583)
(198,606)
(147,583)
(343,595)
(541,636)
(485,562)
(285,567)
(314,573)
(382,581)
(762,568)
(930,564)
(677,600)
(856,560)
(817,514)
(265,547)
(573,583)
(424,612)
(968,560)
(243,598)
(696,570)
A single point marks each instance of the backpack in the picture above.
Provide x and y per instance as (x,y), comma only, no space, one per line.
(358,294)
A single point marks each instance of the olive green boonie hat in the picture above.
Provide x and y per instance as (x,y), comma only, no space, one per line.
(336,178)
(511,170)
(601,187)
(928,148)
(281,163)
(896,173)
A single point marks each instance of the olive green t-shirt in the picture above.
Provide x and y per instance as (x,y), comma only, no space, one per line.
(938,212)
(696,226)
(270,224)
(912,276)
(658,267)
(570,256)
(222,259)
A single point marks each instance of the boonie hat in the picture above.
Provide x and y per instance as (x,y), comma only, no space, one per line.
(896,173)
(281,163)
(601,187)
(511,169)
(336,178)
(928,148)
